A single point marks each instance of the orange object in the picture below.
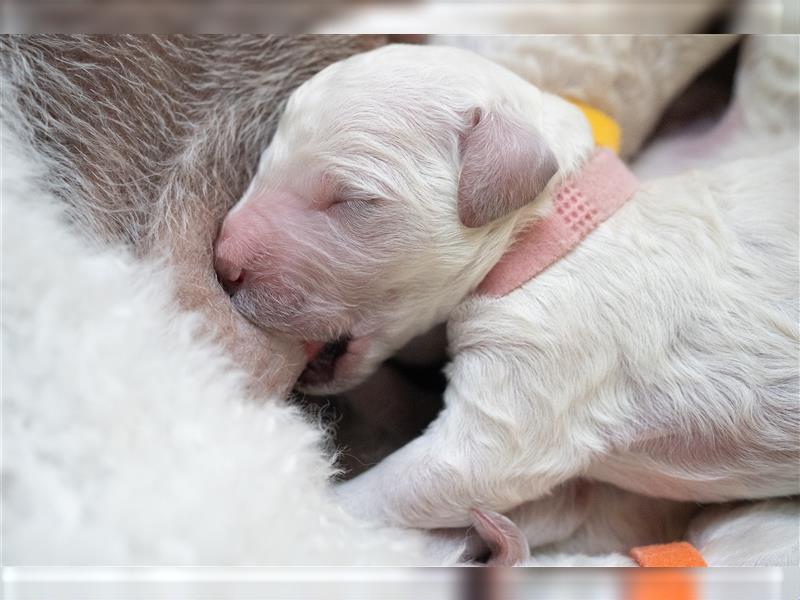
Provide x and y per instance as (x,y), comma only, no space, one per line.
(661,584)
(676,554)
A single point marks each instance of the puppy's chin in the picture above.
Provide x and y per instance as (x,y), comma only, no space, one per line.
(291,314)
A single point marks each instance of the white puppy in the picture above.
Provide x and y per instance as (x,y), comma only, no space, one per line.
(660,354)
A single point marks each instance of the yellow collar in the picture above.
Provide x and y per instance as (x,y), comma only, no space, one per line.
(605,130)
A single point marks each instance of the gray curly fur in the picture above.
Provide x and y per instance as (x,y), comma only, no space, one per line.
(149,140)
(141,132)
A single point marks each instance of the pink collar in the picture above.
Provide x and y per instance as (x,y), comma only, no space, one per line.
(580,204)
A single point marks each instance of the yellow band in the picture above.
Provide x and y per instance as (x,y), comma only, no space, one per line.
(605,130)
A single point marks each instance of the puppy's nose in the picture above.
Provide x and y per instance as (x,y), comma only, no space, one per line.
(230,272)
(230,277)
(238,246)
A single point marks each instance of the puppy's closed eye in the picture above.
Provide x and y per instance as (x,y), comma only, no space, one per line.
(339,201)
(351,206)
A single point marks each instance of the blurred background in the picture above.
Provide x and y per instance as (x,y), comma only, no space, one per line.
(405,584)
(402,16)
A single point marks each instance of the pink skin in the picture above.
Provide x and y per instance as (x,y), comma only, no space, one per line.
(241,251)
(507,545)
(281,256)
(253,251)
(256,250)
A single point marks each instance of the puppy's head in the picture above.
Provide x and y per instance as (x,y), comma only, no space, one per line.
(392,185)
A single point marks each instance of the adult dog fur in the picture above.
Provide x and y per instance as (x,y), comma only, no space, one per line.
(149,140)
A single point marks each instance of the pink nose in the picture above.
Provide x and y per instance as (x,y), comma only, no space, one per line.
(242,245)
(229,261)
(230,276)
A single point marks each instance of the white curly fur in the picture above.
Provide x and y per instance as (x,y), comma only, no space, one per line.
(129,437)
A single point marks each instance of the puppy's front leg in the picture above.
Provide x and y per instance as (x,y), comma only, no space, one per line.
(483,451)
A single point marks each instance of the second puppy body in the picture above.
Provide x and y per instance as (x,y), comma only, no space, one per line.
(658,355)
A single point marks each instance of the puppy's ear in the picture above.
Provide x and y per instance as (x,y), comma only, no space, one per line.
(505,164)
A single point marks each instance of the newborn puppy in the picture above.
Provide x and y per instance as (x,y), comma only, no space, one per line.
(658,354)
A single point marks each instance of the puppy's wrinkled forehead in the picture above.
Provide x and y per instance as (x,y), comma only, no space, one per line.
(379,103)
(389,123)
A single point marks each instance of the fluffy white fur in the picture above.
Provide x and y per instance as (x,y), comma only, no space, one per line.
(128,437)
(659,356)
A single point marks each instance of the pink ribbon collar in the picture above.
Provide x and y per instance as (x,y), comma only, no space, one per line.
(581,203)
